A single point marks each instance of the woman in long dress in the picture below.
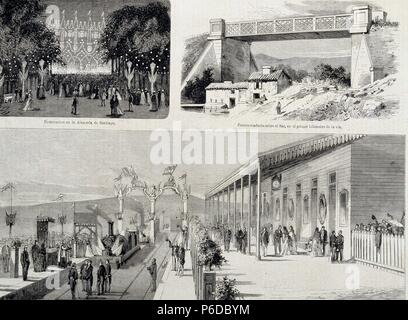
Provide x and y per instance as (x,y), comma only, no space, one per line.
(292,241)
(316,243)
(119,111)
(285,241)
(29,103)
(118,94)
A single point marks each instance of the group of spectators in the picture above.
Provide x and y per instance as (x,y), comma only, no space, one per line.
(390,227)
(284,240)
(318,244)
(103,275)
(178,251)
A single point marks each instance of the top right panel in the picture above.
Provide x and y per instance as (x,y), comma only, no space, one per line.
(250,61)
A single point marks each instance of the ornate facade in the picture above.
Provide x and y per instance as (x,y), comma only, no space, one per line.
(78,41)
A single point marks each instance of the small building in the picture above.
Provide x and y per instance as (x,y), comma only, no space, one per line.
(226,94)
(267,83)
(379,14)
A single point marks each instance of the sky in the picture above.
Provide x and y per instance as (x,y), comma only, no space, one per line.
(194,15)
(81,164)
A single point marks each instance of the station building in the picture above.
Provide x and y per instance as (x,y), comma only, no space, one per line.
(334,181)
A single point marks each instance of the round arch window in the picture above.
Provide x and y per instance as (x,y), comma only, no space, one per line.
(291,208)
(322,209)
(277,209)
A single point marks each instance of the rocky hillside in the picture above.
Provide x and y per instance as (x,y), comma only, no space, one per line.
(314,101)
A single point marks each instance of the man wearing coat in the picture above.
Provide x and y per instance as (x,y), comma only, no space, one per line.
(277,240)
(25,263)
(88,271)
(378,241)
(153,273)
(83,275)
(101,274)
(227,239)
(339,246)
(108,281)
(332,242)
(72,280)
(323,239)
(265,241)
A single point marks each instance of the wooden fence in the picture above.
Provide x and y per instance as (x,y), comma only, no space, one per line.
(388,253)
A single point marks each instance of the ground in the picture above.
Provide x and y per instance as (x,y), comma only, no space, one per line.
(131,281)
(61,107)
(291,277)
(312,101)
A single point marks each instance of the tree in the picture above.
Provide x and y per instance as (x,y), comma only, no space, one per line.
(140,34)
(295,75)
(195,90)
(335,75)
(25,37)
(193,50)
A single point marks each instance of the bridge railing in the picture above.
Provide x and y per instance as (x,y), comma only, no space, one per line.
(289,25)
(387,252)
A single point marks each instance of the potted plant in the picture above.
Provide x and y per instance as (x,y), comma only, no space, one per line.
(210,254)
(226,289)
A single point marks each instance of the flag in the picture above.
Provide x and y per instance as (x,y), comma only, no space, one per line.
(60,197)
(8,186)
(169,170)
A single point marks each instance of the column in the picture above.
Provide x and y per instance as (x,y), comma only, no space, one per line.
(222,207)
(249,213)
(242,203)
(258,215)
(214,210)
(218,208)
(228,206)
(235,208)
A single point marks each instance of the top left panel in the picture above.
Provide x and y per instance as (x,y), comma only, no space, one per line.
(86,59)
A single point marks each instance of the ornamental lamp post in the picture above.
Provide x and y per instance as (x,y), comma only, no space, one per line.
(23,75)
(62,219)
(42,73)
(1,83)
(10,217)
(121,191)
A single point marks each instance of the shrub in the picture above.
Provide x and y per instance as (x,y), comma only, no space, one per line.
(326,72)
(210,254)
(381,23)
(195,90)
(226,289)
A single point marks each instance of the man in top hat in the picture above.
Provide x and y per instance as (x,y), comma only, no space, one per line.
(153,273)
(25,263)
(72,280)
(101,274)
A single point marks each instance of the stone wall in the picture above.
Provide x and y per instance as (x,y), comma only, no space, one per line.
(384,48)
(236,60)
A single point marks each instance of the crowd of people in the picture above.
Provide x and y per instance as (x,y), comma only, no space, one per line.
(283,240)
(86,275)
(112,94)
(390,226)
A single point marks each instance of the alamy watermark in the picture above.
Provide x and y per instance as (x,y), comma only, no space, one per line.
(191,146)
